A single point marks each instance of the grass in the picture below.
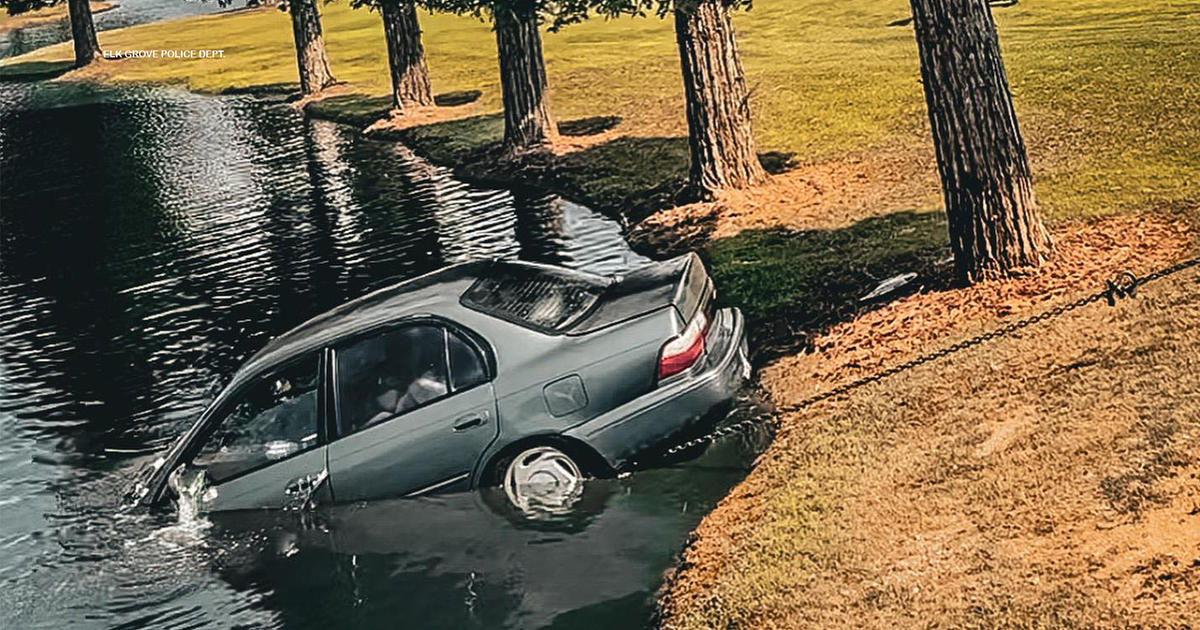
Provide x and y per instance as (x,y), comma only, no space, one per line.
(56,13)
(785,281)
(1046,480)
(1107,91)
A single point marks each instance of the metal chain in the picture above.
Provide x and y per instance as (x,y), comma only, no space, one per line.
(1124,285)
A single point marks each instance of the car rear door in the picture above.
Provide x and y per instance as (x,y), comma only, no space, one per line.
(415,410)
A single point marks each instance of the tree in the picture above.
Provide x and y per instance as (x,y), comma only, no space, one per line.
(995,226)
(406,53)
(720,136)
(528,123)
(311,60)
(83,29)
(83,33)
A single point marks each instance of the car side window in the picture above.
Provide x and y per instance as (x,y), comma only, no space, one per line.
(274,418)
(466,364)
(386,375)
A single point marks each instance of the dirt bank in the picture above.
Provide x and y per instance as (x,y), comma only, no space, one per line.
(1046,479)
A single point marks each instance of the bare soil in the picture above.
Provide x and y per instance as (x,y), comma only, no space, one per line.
(1046,479)
(1087,254)
(826,196)
(823,196)
(399,120)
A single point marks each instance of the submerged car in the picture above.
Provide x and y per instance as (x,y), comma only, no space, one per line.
(487,373)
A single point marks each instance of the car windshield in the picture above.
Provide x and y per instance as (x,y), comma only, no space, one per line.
(533,296)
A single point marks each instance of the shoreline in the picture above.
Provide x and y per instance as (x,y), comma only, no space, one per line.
(1083,262)
(477,162)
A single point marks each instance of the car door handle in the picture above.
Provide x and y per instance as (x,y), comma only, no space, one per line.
(300,490)
(470,422)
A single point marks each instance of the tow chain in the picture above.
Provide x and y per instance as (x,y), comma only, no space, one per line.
(1123,285)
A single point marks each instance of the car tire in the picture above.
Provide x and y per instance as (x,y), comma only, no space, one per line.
(540,479)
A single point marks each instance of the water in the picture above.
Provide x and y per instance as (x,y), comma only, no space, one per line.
(126,13)
(150,241)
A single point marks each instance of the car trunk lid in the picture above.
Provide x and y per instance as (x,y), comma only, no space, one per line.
(681,282)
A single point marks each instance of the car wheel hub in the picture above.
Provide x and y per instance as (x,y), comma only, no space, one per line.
(543,478)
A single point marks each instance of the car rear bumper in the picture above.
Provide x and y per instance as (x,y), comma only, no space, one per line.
(678,404)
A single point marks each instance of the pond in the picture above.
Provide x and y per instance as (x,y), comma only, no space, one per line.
(151,240)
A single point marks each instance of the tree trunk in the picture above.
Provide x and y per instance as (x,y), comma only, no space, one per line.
(406,55)
(528,125)
(310,47)
(995,226)
(720,135)
(83,33)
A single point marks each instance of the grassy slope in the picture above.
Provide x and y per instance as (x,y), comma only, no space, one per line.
(1046,480)
(1108,90)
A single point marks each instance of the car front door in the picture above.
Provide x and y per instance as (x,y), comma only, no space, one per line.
(415,411)
(266,449)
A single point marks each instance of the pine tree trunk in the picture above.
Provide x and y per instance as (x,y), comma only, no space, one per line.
(528,125)
(995,227)
(720,135)
(406,54)
(83,33)
(310,47)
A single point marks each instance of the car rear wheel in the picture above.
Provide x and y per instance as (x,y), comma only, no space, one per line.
(542,479)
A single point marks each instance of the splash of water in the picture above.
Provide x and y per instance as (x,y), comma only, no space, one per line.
(191,486)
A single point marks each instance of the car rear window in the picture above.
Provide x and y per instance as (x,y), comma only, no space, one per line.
(536,297)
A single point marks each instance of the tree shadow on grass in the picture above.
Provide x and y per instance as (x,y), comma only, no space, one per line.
(634,177)
(628,178)
(457,98)
(363,110)
(268,89)
(792,285)
(34,71)
(351,109)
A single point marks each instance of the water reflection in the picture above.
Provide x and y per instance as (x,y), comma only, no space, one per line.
(465,560)
(149,242)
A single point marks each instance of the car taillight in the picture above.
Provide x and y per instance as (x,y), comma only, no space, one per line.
(682,352)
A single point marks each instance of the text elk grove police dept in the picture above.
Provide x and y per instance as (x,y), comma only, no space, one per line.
(165,54)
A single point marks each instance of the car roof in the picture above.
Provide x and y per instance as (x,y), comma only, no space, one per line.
(385,304)
(434,293)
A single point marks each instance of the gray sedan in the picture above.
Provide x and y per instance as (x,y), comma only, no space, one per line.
(522,375)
